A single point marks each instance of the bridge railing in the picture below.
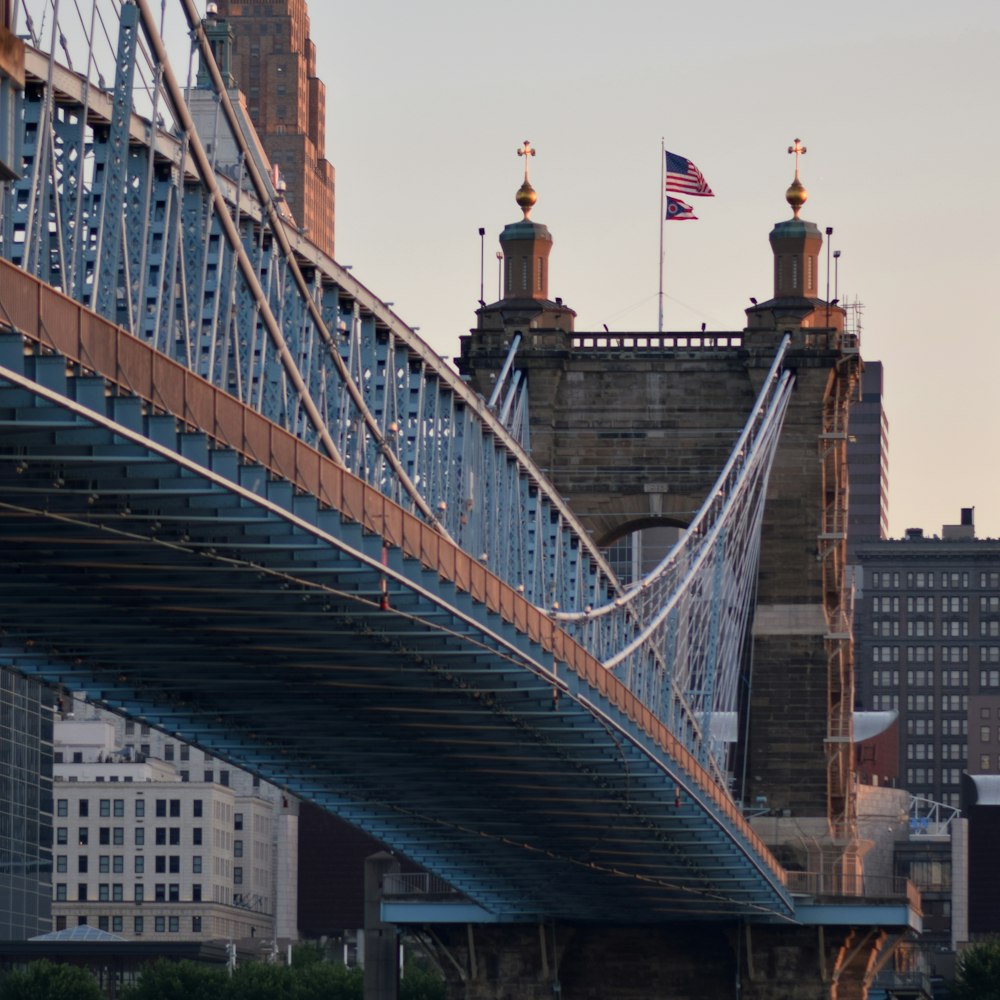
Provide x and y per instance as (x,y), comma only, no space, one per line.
(417,885)
(836,885)
(632,342)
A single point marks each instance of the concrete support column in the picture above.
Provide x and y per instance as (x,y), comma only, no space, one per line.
(381,958)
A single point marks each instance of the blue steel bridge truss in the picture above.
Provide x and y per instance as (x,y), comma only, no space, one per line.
(259,512)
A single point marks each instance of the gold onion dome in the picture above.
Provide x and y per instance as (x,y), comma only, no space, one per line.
(526,197)
(796,196)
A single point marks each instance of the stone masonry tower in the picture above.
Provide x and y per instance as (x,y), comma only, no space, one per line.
(633,428)
(274,64)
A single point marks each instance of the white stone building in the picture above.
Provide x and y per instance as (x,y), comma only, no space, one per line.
(153,838)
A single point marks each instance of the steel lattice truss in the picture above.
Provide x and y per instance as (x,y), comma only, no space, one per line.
(121,207)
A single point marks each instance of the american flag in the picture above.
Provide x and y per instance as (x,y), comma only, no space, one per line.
(678,211)
(685,177)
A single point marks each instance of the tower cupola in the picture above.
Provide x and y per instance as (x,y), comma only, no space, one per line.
(526,245)
(796,245)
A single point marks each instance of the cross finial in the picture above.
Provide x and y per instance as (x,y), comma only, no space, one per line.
(799,150)
(526,150)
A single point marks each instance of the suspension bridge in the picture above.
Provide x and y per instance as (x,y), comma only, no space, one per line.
(242,501)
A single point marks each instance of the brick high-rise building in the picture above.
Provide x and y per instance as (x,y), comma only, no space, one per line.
(274,64)
(928,646)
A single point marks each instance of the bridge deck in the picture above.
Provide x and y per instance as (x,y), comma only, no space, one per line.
(384,675)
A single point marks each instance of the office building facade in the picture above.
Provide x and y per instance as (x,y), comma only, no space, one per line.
(147,847)
(25,807)
(868,462)
(928,646)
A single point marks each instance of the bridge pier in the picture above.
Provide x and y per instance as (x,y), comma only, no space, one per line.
(696,961)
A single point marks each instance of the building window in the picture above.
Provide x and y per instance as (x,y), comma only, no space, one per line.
(140,836)
(83,836)
(984,762)
(62,807)
(104,892)
(159,924)
(175,835)
(137,925)
(140,864)
(237,848)
(104,864)
(81,864)
(139,892)
(118,864)
(84,808)
(168,751)
(118,836)
(196,892)
(104,835)
(62,835)
(60,892)
(174,893)
(196,864)
(238,875)
(185,752)
(174,924)
(209,776)
(196,807)
(161,807)
(119,805)
(103,924)
(61,863)
(105,807)
(196,836)
(140,808)
(117,924)
(196,925)
(175,807)
(81,891)
(160,892)
(160,865)
(161,836)
(174,864)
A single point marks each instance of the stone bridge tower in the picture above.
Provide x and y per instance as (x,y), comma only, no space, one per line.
(633,428)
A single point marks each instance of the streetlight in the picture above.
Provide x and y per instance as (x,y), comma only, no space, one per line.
(836,274)
(499,275)
(482,262)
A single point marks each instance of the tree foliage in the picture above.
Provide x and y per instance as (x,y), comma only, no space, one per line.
(179,981)
(977,972)
(309,977)
(44,980)
(420,982)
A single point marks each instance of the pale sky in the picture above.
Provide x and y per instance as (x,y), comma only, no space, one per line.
(897,103)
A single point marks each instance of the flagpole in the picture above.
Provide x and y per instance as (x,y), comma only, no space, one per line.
(663,215)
